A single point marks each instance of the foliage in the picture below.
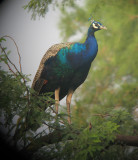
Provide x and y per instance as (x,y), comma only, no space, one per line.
(40,7)
(81,143)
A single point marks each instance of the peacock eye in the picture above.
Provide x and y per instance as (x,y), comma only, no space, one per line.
(96,24)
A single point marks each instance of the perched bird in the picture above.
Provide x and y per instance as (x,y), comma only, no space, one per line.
(65,66)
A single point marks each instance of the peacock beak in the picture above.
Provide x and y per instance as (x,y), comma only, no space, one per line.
(103,27)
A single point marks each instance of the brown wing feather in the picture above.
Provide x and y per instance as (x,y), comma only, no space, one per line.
(52,51)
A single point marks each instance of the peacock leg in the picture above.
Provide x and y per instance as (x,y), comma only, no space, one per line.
(57,99)
(68,101)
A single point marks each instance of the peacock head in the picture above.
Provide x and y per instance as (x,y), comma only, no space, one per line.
(95,26)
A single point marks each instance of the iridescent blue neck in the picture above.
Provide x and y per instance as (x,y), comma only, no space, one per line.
(90,31)
(90,36)
(91,44)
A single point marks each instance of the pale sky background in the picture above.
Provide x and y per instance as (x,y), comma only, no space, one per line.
(33,37)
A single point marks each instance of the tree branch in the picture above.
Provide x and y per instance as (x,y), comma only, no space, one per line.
(127,140)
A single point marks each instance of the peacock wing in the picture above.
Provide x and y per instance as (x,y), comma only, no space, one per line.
(51,52)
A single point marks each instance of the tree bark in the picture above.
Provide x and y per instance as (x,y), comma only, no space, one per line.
(127,140)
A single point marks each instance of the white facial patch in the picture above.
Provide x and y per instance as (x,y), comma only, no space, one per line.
(94,26)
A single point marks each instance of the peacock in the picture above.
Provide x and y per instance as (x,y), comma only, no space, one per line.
(65,66)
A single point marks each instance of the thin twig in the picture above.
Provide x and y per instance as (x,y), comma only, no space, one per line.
(101,115)
(62,122)
(7,62)
(52,109)
(8,58)
(17,50)
(51,126)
